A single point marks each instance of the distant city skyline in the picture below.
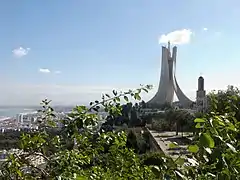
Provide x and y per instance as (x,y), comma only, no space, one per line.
(72,51)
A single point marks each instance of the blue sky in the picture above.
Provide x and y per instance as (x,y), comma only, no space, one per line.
(85,47)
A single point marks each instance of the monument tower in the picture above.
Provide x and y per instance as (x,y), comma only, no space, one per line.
(201,96)
(168,83)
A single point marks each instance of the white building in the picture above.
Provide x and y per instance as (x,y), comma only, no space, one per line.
(26,118)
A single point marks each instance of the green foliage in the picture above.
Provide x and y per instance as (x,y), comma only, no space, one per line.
(138,141)
(226,101)
(161,165)
(153,158)
(78,152)
(74,155)
(179,120)
(161,125)
(107,158)
(193,148)
(216,146)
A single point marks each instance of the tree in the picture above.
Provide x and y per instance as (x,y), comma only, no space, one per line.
(179,119)
(167,106)
(79,152)
(134,120)
(143,105)
(225,101)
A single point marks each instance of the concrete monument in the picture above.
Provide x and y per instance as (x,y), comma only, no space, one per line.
(168,83)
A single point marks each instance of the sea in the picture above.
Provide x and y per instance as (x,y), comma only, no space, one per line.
(13,111)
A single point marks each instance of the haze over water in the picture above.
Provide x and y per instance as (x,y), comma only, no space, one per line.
(13,111)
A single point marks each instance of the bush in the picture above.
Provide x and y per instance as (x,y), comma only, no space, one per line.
(153,158)
(79,153)
(161,125)
(139,141)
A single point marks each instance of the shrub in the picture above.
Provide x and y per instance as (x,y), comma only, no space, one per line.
(161,125)
(214,153)
(139,141)
(153,158)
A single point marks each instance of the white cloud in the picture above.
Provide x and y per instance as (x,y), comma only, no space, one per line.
(205,29)
(44,70)
(177,37)
(57,72)
(20,52)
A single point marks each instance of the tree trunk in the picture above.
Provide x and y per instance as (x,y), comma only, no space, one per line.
(177,129)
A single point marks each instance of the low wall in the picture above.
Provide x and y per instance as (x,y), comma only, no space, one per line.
(154,147)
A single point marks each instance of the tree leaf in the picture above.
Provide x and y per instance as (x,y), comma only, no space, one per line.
(126,98)
(210,174)
(81,178)
(193,148)
(192,161)
(209,151)
(145,90)
(231,147)
(95,109)
(231,127)
(199,120)
(180,161)
(179,174)
(206,140)
(198,126)
(114,92)
(173,145)
(137,97)
(156,170)
(19,172)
